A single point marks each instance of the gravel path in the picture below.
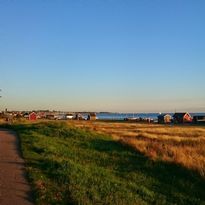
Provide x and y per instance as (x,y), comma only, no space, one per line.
(14,188)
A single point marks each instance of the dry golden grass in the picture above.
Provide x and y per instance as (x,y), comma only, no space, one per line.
(184,145)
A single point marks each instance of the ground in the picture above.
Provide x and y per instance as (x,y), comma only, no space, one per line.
(14,188)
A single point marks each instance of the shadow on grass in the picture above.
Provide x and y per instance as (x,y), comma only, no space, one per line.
(171,183)
(178,184)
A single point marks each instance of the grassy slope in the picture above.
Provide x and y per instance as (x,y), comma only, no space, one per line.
(72,166)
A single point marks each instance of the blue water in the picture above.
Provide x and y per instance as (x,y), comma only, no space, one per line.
(122,116)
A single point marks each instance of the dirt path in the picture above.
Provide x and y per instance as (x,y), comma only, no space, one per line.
(14,188)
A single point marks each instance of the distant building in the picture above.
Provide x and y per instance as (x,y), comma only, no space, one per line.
(18,115)
(199,119)
(26,115)
(61,117)
(164,119)
(69,116)
(8,117)
(79,116)
(183,117)
(92,116)
(51,117)
(32,116)
(41,115)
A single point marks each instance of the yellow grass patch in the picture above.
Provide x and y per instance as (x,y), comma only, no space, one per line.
(184,145)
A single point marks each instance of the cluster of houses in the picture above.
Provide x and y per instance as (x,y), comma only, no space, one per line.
(34,115)
(177,118)
(182,117)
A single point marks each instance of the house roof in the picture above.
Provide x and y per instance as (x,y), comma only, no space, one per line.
(163,115)
(180,114)
(32,113)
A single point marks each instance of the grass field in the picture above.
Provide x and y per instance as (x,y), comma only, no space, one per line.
(184,144)
(69,165)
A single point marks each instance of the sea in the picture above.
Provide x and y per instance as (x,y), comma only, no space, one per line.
(122,116)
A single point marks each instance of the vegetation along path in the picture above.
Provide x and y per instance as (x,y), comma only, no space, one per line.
(14,189)
(69,165)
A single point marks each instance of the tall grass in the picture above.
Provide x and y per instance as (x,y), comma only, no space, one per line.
(184,145)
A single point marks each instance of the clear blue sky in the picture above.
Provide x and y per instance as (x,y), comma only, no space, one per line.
(103,55)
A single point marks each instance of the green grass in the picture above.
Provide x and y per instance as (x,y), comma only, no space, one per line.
(67,165)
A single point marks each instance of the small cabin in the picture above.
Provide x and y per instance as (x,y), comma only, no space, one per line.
(92,116)
(8,117)
(32,116)
(199,119)
(26,115)
(50,117)
(183,117)
(164,119)
(41,115)
(69,116)
(79,116)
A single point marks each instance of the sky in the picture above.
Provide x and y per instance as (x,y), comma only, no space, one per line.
(102,55)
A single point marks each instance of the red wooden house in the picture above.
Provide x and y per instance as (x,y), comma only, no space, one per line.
(32,116)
